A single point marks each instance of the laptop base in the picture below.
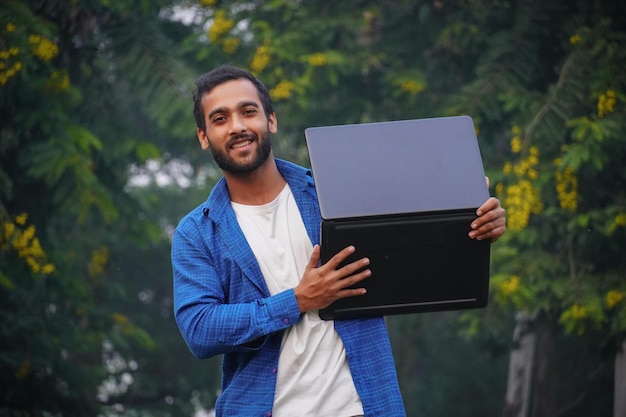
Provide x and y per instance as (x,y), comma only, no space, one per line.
(429,264)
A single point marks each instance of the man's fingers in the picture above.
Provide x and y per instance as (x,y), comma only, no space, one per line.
(315,257)
(341,256)
(353,267)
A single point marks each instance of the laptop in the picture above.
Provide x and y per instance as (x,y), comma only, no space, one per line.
(404,193)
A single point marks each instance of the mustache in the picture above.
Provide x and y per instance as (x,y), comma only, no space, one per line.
(240,137)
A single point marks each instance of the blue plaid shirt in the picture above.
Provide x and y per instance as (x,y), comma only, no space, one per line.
(223,306)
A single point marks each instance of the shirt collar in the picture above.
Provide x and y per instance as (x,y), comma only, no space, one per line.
(296,176)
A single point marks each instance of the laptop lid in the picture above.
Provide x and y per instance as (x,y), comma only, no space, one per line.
(404,193)
(396,167)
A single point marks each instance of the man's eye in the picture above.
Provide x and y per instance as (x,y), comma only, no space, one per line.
(250,111)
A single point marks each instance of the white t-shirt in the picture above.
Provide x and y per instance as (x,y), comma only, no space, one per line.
(313,377)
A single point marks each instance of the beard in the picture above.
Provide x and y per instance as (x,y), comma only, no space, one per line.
(228,164)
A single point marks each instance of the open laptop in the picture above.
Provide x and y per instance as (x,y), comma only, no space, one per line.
(404,194)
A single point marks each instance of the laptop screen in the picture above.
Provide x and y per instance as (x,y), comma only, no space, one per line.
(397,167)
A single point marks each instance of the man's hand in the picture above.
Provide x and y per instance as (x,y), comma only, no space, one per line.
(491,221)
(321,286)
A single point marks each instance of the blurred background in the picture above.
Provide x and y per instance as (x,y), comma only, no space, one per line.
(99,160)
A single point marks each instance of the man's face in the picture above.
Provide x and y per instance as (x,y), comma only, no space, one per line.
(237,130)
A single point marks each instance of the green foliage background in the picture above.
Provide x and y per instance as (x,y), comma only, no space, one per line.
(95,95)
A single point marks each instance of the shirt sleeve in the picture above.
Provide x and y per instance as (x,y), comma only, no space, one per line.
(210,321)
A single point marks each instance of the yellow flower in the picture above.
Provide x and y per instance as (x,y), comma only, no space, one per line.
(10,27)
(510,286)
(48,268)
(119,319)
(282,90)
(499,188)
(98,261)
(9,229)
(33,264)
(606,103)
(574,39)
(22,239)
(13,51)
(534,152)
(567,189)
(206,3)
(261,59)
(412,87)
(522,200)
(578,312)
(221,25)
(613,298)
(58,81)
(230,45)
(8,67)
(516,144)
(43,48)
(21,219)
(317,60)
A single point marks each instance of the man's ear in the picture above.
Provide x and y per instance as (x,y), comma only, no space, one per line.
(273,123)
(203,139)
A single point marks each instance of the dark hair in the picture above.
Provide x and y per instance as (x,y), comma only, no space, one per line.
(220,75)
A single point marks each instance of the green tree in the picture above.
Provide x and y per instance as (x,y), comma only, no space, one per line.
(87,89)
(556,98)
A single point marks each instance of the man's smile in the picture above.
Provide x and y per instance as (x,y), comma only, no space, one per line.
(241,144)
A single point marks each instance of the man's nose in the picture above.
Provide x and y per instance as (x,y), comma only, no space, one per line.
(238,124)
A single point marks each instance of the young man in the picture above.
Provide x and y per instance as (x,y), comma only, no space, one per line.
(247,279)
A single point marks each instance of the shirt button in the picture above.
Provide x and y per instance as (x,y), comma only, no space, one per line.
(286,321)
(274,370)
(268,413)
